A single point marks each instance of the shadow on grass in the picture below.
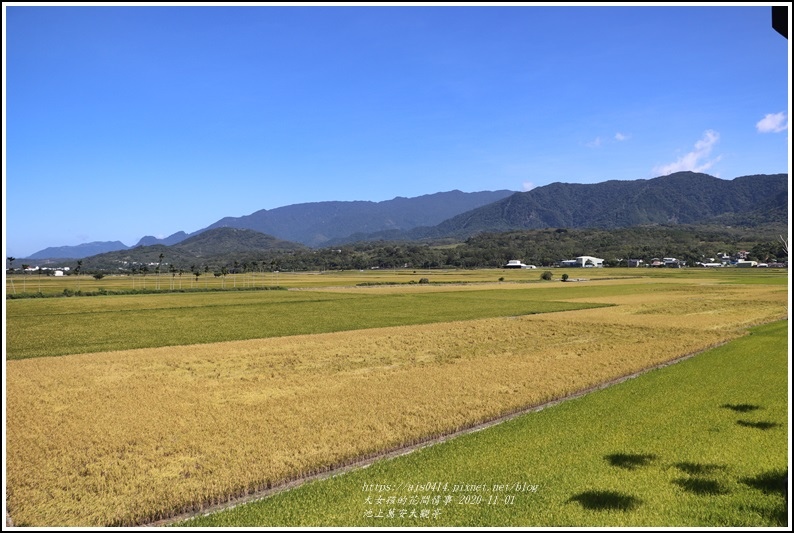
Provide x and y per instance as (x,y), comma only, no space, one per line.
(699,469)
(740,407)
(701,487)
(758,425)
(776,516)
(770,482)
(605,500)
(629,461)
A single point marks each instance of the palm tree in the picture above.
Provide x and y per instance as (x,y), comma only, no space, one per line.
(236,266)
(24,279)
(11,267)
(159,263)
(77,272)
(244,266)
(254,265)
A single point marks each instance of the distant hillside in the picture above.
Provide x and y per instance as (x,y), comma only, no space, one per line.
(79,251)
(217,246)
(177,237)
(82,251)
(221,241)
(680,198)
(315,224)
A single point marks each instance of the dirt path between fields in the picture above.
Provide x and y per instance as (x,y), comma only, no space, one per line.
(388,454)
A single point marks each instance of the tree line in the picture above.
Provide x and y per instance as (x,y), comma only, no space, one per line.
(543,248)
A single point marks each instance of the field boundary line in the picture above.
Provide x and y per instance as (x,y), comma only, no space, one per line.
(369,459)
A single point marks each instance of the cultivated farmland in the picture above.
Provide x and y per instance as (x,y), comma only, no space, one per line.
(225,394)
(701,443)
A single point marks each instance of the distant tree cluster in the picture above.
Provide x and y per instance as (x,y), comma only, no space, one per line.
(545,248)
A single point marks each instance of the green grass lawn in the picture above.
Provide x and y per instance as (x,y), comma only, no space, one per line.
(699,443)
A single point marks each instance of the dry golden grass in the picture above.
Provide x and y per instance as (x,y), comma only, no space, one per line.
(120,438)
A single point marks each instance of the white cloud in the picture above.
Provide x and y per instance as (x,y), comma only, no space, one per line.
(600,141)
(528,186)
(696,160)
(595,143)
(772,123)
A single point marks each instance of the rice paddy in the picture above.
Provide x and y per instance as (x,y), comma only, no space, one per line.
(698,444)
(192,415)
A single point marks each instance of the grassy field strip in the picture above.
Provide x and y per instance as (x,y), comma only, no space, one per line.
(305,279)
(699,444)
(53,285)
(314,280)
(543,286)
(104,324)
(148,302)
(33,308)
(128,437)
(37,328)
(716,307)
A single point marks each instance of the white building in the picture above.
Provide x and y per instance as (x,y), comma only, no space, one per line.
(515,263)
(583,261)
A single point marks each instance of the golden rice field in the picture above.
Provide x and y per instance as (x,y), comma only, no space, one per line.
(127,437)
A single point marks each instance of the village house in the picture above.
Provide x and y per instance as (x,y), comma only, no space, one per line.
(583,261)
(515,263)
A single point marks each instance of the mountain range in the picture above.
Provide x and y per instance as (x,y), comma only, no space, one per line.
(314,224)
(680,198)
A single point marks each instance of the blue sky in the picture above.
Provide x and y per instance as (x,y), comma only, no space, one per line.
(122,121)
